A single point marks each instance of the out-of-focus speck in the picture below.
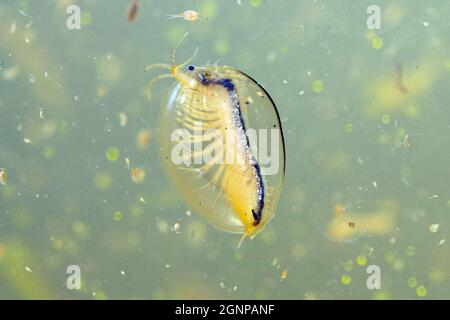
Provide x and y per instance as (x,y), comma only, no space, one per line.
(434,196)
(122,272)
(433,227)
(425,23)
(301,92)
(239,2)
(162,226)
(24,13)
(222,285)
(10,74)
(27,40)
(41,114)
(283,274)
(234,288)
(26,140)
(308,72)
(28,269)
(392,240)
(360,161)
(13,27)
(45,74)
(167,266)
(188,213)
(441,242)
(3,177)
(141,199)
(271,56)
(176,227)
(285,81)
(143,139)
(75,98)
(375,185)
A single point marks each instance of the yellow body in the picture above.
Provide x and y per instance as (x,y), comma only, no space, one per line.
(221,177)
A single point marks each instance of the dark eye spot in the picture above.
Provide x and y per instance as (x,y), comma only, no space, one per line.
(191,68)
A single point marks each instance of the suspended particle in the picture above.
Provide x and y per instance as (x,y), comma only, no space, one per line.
(123,119)
(137,175)
(433,227)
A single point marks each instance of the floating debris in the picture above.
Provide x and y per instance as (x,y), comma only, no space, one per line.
(123,119)
(433,227)
(421,291)
(28,269)
(399,79)
(13,27)
(283,274)
(317,86)
(10,74)
(24,13)
(375,185)
(441,242)
(434,196)
(127,162)
(361,260)
(41,113)
(141,199)
(117,216)
(143,139)
(379,222)
(137,175)
(377,43)
(26,140)
(346,279)
(3,177)
(410,251)
(275,262)
(132,11)
(112,154)
(188,15)
(406,143)
(339,209)
(122,272)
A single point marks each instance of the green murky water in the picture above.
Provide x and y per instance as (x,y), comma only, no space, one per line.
(366,119)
